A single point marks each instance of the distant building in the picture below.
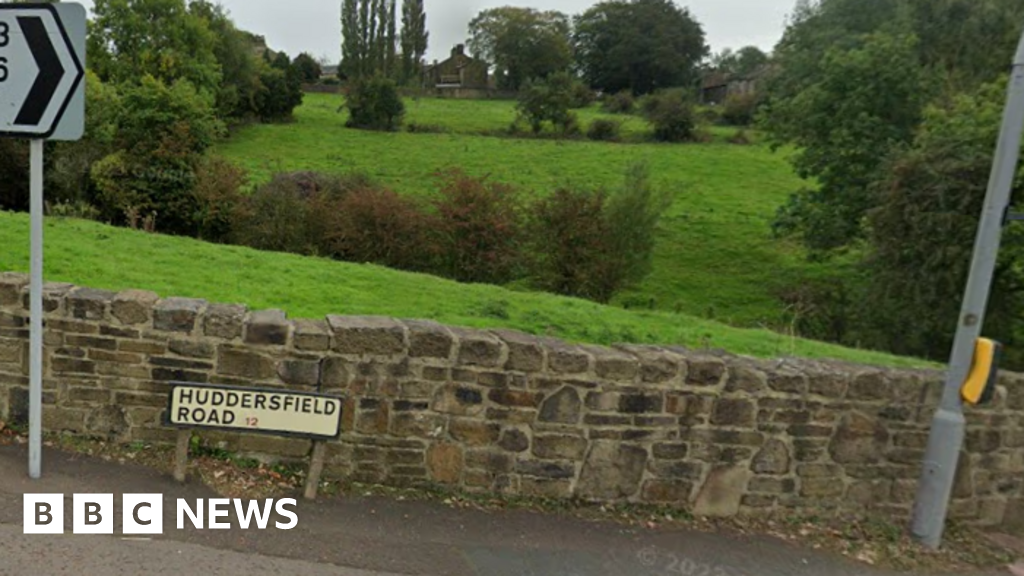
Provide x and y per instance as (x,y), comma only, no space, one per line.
(717,86)
(460,76)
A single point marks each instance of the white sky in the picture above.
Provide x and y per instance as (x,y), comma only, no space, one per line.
(314,25)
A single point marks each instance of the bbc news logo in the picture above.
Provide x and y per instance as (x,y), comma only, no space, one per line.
(143,514)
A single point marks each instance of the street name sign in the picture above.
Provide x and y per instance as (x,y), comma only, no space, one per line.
(42,71)
(266,411)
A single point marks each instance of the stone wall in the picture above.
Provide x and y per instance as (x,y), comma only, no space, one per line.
(505,412)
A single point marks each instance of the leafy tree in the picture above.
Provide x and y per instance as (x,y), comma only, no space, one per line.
(522,43)
(130,39)
(638,45)
(374,104)
(414,38)
(368,31)
(307,68)
(672,115)
(862,102)
(162,134)
(923,227)
(240,70)
(742,62)
(548,100)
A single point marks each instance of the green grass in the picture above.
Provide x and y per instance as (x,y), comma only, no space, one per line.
(99,256)
(715,257)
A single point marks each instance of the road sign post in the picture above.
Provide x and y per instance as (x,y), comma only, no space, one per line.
(42,97)
(947,436)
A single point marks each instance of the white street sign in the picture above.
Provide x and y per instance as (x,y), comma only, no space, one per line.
(42,71)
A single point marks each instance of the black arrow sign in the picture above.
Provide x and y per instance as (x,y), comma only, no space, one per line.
(51,71)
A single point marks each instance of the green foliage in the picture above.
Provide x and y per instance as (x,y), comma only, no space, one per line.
(522,43)
(280,89)
(369,41)
(240,83)
(672,114)
(14,173)
(374,104)
(414,38)
(619,103)
(131,39)
(588,244)
(638,45)
(162,133)
(549,100)
(374,224)
(923,227)
(740,109)
(218,197)
(861,103)
(479,229)
(742,62)
(307,68)
(604,130)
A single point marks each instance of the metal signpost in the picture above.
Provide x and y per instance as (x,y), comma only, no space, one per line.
(947,435)
(42,97)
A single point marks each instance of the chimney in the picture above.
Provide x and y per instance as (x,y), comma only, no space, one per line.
(459,50)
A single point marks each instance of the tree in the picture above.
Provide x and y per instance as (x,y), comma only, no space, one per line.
(129,39)
(638,45)
(240,70)
(862,102)
(307,68)
(368,38)
(414,38)
(374,104)
(548,101)
(522,43)
(742,62)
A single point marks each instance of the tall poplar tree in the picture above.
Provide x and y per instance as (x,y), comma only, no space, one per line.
(414,38)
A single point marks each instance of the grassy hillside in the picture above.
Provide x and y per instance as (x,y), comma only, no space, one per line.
(715,257)
(99,256)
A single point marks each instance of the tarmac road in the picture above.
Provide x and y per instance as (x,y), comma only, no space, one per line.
(367,537)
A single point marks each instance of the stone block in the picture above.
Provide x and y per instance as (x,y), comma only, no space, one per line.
(133,307)
(445,463)
(429,340)
(562,407)
(311,335)
(657,365)
(458,400)
(788,381)
(89,304)
(705,371)
(767,485)
(828,385)
(299,372)
(566,359)
(667,492)
(722,492)
(541,469)
(641,403)
(525,352)
(515,398)
(821,488)
(192,348)
(869,386)
(473,432)
(612,471)
(612,364)
(478,348)
(267,328)
(559,447)
(367,335)
(11,286)
(236,362)
(177,314)
(738,412)
(773,458)
(859,440)
(514,440)
(224,321)
(670,450)
(746,379)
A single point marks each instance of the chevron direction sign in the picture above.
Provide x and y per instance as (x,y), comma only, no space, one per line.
(42,71)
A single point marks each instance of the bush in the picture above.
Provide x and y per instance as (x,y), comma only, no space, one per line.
(582,95)
(374,104)
(277,217)
(479,229)
(620,103)
(604,130)
(740,137)
(376,225)
(14,173)
(549,101)
(588,244)
(672,115)
(218,196)
(739,109)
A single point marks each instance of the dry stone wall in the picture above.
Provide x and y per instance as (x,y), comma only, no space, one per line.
(501,411)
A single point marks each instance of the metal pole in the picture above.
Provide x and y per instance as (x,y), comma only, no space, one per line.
(35,391)
(947,435)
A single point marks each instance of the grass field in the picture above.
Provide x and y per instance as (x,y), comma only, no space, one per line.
(715,256)
(94,255)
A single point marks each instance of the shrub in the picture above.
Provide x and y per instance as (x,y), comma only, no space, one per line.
(740,137)
(548,101)
(582,95)
(218,196)
(374,224)
(588,244)
(672,115)
(276,217)
(620,103)
(739,109)
(479,229)
(374,104)
(604,130)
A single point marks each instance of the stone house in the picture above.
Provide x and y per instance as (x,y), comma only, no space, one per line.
(717,86)
(458,74)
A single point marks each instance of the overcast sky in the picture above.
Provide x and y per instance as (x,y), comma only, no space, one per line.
(314,25)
